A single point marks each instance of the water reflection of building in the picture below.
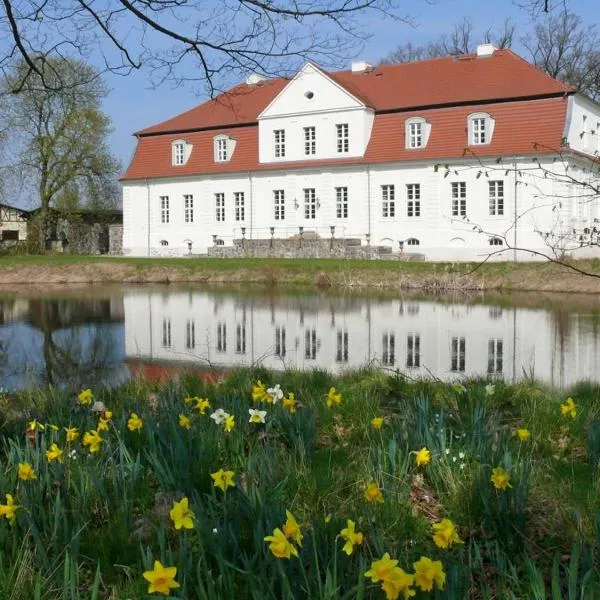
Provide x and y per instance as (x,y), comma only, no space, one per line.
(418,338)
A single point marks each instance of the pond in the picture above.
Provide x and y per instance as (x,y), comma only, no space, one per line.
(83,336)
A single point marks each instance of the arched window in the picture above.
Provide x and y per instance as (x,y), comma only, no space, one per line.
(416,131)
(180,152)
(224,147)
(495,241)
(164,243)
(413,242)
(481,129)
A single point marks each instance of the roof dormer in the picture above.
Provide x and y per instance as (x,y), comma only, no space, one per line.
(180,152)
(480,129)
(224,146)
(416,133)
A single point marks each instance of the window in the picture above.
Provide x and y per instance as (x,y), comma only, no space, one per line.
(495,312)
(166,333)
(479,133)
(457,356)
(413,196)
(280,342)
(496,196)
(221,337)
(481,128)
(416,133)
(310,344)
(240,339)
(164,243)
(459,199)
(188,205)
(341,351)
(495,241)
(310,141)
(178,153)
(190,335)
(341,202)
(279,202)
(413,242)
(343,138)
(388,353)
(310,203)
(279,143)
(495,356)
(413,351)
(240,210)
(164,209)
(220,206)
(221,149)
(388,202)
(10,235)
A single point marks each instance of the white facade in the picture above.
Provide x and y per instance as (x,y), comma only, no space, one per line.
(13,224)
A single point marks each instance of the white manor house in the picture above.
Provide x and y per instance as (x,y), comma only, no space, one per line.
(451,158)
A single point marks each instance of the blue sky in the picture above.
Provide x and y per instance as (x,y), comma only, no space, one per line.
(132,104)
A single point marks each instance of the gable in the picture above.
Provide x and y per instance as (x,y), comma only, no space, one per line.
(311,91)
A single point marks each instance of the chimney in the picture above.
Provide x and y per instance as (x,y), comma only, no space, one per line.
(360,66)
(485,50)
(255,78)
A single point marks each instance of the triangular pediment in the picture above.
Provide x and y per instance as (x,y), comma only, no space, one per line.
(311,91)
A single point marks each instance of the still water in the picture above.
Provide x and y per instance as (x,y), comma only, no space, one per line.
(84,336)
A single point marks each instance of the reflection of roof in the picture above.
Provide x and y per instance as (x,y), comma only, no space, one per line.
(161,372)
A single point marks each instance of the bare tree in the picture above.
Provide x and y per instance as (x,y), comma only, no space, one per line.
(184,40)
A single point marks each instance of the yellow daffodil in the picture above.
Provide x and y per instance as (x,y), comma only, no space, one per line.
(161,579)
(85,396)
(381,569)
(444,534)
(33,425)
(333,397)
(352,537)
(523,434)
(53,427)
(134,423)
(229,423)
(373,493)
(423,457)
(377,422)
(93,440)
(223,479)
(201,405)
(181,515)
(189,400)
(280,546)
(8,510)
(72,433)
(256,416)
(291,529)
(398,582)
(290,403)
(500,478)
(26,472)
(259,392)
(428,572)
(54,453)
(107,415)
(184,422)
(102,424)
(569,408)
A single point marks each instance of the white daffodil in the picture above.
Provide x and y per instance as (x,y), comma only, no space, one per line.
(459,388)
(275,393)
(490,389)
(461,455)
(219,416)
(257,416)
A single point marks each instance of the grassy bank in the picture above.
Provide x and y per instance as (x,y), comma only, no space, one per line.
(427,277)
(514,468)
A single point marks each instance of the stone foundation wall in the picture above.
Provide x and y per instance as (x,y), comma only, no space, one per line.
(115,239)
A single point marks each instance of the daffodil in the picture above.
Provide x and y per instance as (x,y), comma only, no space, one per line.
(72,434)
(184,422)
(373,493)
(161,579)
(291,529)
(490,389)
(92,439)
(189,400)
(85,396)
(377,422)
(523,434)
(223,479)
(201,405)
(428,572)
(333,397)
(274,394)
(381,569)
(280,546)
(9,509)
(423,457)
(257,416)
(398,582)
(33,425)
(459,388)
(26,472)
(290,403)
(444,534)
(259,392)
(569,408)
(181,515)
(352,537)
(102,424)
(134,423)
(219,416)
(54,453)
(500,478)
(229,423)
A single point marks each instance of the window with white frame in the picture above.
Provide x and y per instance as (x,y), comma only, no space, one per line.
(164,209)
(310,344)
(166,333)
(388,201)
(221,337)
(459,198)
(343,138)
(341,349)
(388,350)
(457,354)
(310,203)
(279,204)
(479,131)
(341,202)
(413,242)
(310,141)
(220,206)
(240,338)
(279,135)
(280,348)
(495,241)
(481,128)
(413,350)
(416,133)
(188,208)
(190,334)
(179,153)
(495,356)
(496,197)
(222,154)
(239,206)
(413,200)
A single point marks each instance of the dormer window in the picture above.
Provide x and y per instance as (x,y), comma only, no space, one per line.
(224,147)
(417,132)
(481,129)
(180,152)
